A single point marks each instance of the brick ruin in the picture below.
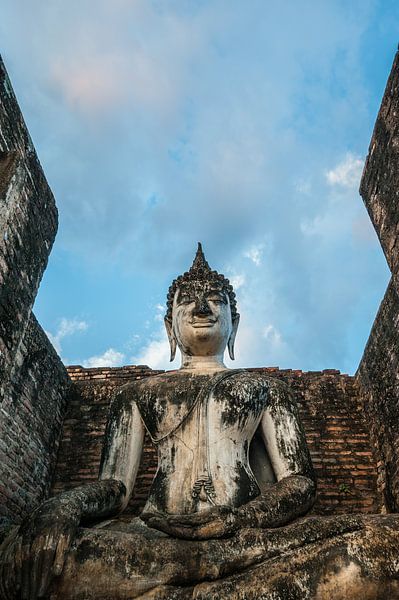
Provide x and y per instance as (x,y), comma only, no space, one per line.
(378,372)
(34,382)
(52,419)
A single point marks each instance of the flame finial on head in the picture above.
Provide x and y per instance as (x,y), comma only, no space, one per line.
(200,264)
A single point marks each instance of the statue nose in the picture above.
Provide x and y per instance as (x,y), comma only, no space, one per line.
(202,308)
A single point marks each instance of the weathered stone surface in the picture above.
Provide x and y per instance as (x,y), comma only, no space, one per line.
(380,182)
(33,380)
(378,375)
(331,412)
(379,367)
(28,224)
(31,418)
(202,426)
(345,558)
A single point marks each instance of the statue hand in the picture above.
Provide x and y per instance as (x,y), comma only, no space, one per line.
(43,540)
(279,503)
(215,522)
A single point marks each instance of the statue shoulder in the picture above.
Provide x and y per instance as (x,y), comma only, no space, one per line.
(255,386)
(256,381)
(135,389)
(280,395)
(122,401)
(127,395)
(154,396)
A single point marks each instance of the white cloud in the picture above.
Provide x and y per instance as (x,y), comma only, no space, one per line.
(156,353)
(70,326)
(110,358)
(161,309)
(303,186)
(255,254)
(272,335)
(237,281)
(66,328)
(54,341)
(256,344)
(313,226)
(156,113)
(347,173)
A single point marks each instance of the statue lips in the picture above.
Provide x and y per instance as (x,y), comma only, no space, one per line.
(203,322)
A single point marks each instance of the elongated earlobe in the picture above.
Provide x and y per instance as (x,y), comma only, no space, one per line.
(232,338)
(171,338)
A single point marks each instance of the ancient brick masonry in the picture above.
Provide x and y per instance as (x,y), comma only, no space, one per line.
(378,370)
(28,223)
(338,439)
(380,182)
(31,419)
(330,410)
(33,381)
(377,374)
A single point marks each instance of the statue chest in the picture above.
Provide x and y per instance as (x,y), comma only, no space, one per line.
(203,444)
(234,404)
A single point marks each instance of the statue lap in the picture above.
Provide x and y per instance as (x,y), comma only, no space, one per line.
(344,557)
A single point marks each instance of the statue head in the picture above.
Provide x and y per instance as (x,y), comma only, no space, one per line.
(201,315)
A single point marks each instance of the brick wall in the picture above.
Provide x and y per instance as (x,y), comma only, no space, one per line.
(33,380)
(330,409)
(378,375)
(379,368)
(380,181)
(337,435)
(31,418)
(28,224)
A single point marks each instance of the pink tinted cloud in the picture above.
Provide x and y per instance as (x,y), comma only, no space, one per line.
(91,84)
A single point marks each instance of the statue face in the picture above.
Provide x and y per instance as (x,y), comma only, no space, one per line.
(201,319)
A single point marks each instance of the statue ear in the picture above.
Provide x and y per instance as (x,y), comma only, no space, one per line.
(171,337)
(230,343)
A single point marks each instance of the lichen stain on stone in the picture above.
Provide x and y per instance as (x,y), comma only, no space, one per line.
(347,582)
(242,395)
(309,559)
(159,490)
(165,400)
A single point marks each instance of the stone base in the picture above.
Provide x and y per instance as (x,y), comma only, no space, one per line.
(344,558)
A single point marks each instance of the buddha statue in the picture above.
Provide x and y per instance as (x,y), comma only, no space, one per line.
(232,456)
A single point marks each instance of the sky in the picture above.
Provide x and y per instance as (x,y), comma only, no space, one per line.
(243,125)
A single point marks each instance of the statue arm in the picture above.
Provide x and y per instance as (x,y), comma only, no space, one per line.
(123,444)
(294,492)
(37,550)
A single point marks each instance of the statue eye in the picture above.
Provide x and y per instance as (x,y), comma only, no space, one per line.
(185,300)
(216,299)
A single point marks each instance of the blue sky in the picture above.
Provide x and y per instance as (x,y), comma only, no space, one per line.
(244,125)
